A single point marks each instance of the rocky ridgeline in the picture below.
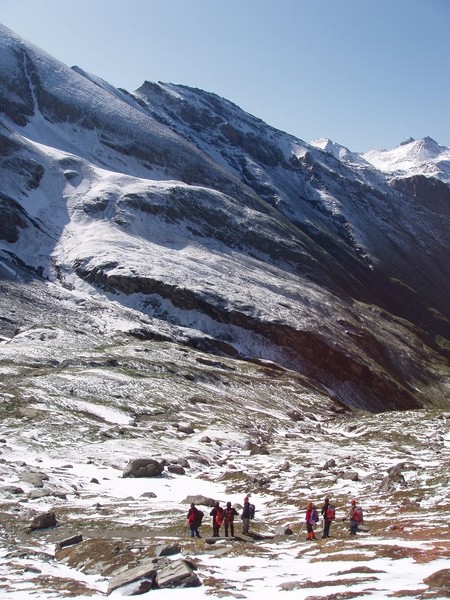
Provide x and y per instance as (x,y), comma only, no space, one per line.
(395,464)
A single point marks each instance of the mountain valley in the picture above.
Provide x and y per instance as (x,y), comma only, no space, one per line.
(183,283)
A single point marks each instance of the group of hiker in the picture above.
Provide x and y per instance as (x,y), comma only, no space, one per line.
(328,512)
(225,516)
(221,516)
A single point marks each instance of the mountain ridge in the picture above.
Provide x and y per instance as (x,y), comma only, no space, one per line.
(219,231)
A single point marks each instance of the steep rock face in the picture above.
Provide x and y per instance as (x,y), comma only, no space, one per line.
(372,239)
(428,191)
(192,221)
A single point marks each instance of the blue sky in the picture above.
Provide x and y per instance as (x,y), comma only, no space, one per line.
(364,73)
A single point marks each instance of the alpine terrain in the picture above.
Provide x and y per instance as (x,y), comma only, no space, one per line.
(198,307)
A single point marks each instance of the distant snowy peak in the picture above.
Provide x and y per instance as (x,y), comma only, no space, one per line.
(413,157)
(331,147)
(339,152)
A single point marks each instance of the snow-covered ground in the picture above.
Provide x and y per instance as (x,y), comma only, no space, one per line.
(405,536)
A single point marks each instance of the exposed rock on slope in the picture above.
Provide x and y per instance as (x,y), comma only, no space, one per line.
(173,215)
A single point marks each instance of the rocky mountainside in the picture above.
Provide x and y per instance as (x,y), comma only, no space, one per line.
(188,220)
(185,285)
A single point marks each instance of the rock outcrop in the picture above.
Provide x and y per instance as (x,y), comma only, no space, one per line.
(143,467)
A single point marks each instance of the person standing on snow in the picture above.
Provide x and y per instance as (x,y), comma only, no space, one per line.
(246,513)
(217,518)
(311,518)
(194,519)
(228,518)
(328,513)
(355,515)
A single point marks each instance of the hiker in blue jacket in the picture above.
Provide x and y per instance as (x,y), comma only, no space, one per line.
(246,513)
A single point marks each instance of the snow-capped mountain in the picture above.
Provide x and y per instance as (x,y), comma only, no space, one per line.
(413,157)
(339,152)
(199,223)
(182,283)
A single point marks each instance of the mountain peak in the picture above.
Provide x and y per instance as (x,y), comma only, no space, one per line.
(430,145)
(413,157)
(327,145)
(425,145)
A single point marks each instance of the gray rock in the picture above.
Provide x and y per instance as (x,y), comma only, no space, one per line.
(148,495)
(259,450)
(60,495)
(34,478)
(187,429)
(393,480)
(12,489)
(177,575)
(296,415)
(280,531)
(143,467)
(176,469)
(199,500)
(145,572)
(75,539)
(36,494)
(165,550)
(43,521)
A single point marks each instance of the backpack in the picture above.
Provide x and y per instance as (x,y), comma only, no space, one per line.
(330,514)
(219,517)
(314,516)
(357,515)
(228,515)
(201,514)
(251,513)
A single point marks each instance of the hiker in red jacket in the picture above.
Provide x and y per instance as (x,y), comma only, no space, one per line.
(311,518)
(355,516)
(194,519)
(228,519)
(217,518)
(328,513)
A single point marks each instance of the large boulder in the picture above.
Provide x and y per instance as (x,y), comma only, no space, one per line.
(167,550)
(143,467)
(43,521)
(393,479)
(145,574)
(34,478)
(199,499)
(177,574)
